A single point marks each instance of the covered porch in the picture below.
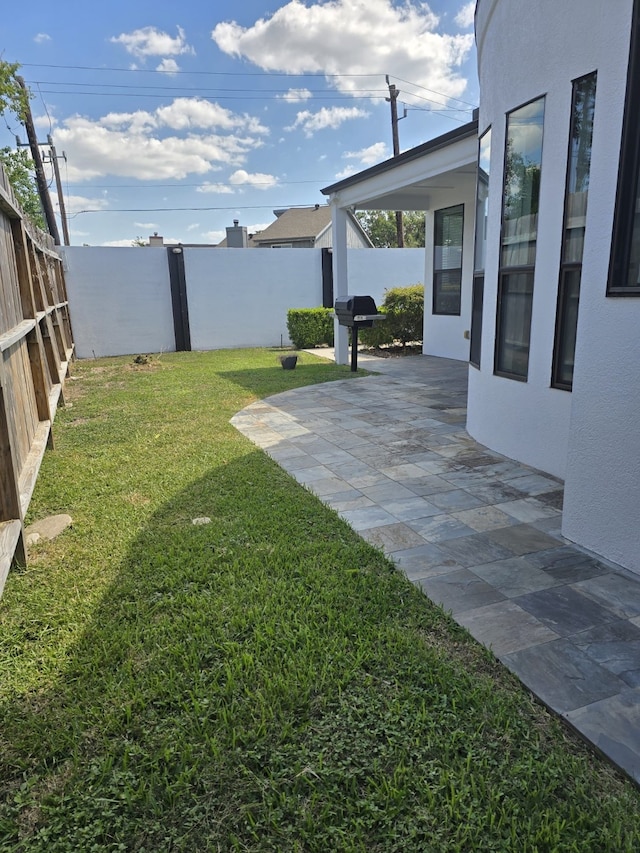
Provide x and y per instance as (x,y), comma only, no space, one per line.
(436,177)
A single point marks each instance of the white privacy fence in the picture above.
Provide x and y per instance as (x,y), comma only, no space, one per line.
(128,300)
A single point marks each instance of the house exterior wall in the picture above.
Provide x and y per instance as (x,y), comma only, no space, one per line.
(523,53)
(445,335)
(586,436)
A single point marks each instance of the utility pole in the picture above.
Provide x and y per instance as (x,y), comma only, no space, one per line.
(41,180)
(392,99)
(61,205)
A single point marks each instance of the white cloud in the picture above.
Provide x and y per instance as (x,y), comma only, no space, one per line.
(257,180)
(147,225)
(370,155)
(77,203)
(346,172)
(193,227)
(214,236)
(185,113)
(168,66)
(402,40)
(41,38)
(116,244)
(148,41)
(331,117)
(296,96)
(45,121)
(466,16)
(222,189)
(126,242)
(166,143)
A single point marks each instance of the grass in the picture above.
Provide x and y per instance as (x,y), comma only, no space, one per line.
(265,682)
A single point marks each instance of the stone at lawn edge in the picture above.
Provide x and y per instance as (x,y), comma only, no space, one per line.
(48,528)
(203,520)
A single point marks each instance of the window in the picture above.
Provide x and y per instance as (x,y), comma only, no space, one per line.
(624,268)
(480,246)
(520,198)
(447,260)
(575,216)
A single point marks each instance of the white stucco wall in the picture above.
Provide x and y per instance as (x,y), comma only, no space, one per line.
(602,492)
(119,300)
(240,297)
(587,436)
(527,50)
(444,335)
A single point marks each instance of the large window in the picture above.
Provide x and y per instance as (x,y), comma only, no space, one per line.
(521,194)
(575,217)
(480,246)
(447,260)
(624,269)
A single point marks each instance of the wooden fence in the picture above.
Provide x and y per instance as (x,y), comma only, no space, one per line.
(36,346)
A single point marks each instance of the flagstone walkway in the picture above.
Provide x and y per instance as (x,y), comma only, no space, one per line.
(478,532)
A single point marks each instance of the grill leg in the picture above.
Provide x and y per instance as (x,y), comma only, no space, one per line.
(354,349)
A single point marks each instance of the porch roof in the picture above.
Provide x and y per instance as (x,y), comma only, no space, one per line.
(422,178)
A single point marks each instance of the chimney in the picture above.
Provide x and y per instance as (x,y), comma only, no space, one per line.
(155,240)
(237,236)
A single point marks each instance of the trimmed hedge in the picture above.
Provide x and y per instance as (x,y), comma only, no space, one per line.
(404,308)
(310,327)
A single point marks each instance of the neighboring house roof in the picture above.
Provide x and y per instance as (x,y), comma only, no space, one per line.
(294,224)
(299,225)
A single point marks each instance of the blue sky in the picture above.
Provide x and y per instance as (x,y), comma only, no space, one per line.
(179,118)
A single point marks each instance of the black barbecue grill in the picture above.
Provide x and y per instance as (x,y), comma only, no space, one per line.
(356,312)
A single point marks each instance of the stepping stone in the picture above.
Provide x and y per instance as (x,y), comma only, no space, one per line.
(48,528)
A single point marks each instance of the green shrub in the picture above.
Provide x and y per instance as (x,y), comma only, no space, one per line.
(404,308)
(310,327)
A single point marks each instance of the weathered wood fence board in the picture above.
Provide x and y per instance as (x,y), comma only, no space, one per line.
(36,346)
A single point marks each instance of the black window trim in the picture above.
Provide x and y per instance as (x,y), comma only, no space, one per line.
(628,172)
(457,313)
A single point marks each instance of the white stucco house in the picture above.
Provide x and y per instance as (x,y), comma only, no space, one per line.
(549,287)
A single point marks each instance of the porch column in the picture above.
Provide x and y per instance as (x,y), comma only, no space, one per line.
(340,276)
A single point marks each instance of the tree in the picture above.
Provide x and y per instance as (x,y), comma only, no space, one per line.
(13,97)
(18,167)
(380,225)
(139,242)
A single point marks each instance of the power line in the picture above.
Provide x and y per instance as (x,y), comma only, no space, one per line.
(204,73)
(184,209)
(433,92)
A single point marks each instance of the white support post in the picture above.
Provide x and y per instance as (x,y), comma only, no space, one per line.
(340,276)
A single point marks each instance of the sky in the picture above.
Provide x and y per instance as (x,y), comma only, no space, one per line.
(178,118)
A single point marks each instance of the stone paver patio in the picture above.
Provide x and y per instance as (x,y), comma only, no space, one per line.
(478,532)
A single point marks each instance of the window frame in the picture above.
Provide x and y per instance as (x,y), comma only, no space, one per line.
(567,267)
(437,271)
(505,271)
(628,173)
(477,289)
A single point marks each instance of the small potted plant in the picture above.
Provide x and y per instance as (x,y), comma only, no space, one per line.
(288,360)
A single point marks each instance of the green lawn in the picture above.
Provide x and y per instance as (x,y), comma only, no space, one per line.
(266,682)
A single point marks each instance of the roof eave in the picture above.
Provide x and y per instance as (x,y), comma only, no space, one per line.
(455,135)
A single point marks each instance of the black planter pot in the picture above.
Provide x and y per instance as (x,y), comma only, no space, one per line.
(288,361)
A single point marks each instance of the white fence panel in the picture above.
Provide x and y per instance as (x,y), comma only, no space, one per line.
(240,297)
(119,300)
(372,271)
